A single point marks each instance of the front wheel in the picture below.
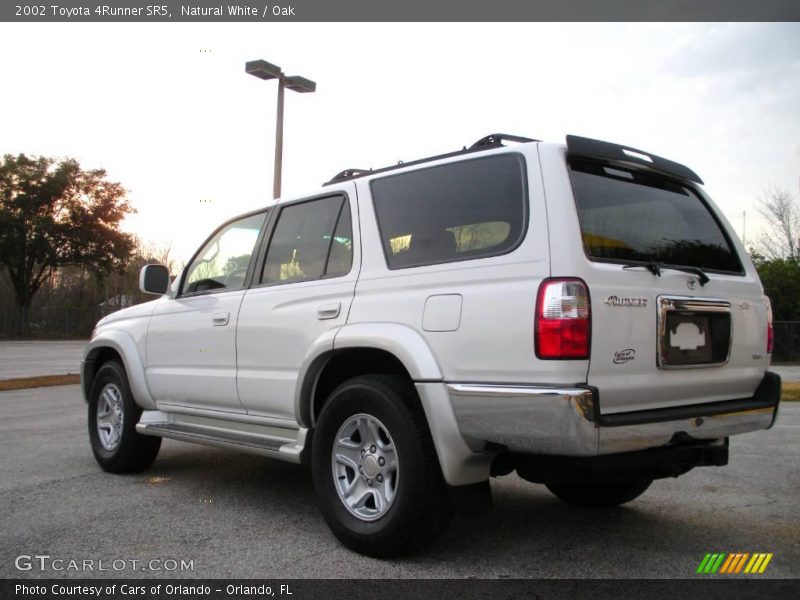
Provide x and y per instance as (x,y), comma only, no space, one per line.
(375,470)
(601,495)
(113,415)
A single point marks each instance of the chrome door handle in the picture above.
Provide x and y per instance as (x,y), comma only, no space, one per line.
(220,319)
(329,311)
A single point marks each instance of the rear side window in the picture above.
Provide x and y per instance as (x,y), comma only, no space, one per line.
(629,216)
(459,211)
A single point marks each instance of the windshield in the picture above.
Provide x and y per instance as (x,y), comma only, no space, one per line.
(630,216)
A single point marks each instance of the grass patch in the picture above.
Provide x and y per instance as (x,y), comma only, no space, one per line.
(790,392)
(24,383)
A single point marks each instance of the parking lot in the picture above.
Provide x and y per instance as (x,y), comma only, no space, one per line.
(236,515)
(36,358)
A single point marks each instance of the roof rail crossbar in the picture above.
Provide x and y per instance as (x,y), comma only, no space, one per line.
(487,143)
(348,174)
(497,139)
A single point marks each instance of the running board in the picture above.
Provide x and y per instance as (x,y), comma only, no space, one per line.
(284,444)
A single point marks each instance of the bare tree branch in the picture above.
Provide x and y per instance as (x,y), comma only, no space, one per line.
(782,214)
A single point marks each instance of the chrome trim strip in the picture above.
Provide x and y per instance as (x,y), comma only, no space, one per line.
(506,391)
(668,304)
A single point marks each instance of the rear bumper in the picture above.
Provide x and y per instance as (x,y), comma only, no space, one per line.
(566,421)
(653,463)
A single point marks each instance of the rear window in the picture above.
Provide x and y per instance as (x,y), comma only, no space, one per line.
(459,211)
(629,216)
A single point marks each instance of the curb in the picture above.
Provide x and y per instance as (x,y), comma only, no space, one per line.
(25,383)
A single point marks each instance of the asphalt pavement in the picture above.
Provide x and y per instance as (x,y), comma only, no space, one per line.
(788,373)
(237,515)
(34,358)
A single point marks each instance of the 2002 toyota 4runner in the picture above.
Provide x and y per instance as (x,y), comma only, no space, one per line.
(581,314)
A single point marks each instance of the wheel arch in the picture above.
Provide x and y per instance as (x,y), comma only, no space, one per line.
(398,350)
(337,366)
(361,349)
(116,345)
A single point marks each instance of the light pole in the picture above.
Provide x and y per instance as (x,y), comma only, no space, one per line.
(264,70)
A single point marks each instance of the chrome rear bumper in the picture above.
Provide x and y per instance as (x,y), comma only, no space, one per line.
(566,421)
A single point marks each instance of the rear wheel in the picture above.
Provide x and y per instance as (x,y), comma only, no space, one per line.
(601,495)
(113,415)
(375,470)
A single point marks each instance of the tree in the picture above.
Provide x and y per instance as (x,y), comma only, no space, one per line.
(782,214)
(781,280)
(54,214)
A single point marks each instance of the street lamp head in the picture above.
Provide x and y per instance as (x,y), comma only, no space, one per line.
(300,84)
(262,69)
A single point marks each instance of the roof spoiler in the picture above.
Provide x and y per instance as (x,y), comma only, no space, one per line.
(589,148)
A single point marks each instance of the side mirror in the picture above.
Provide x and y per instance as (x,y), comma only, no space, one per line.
(154,279)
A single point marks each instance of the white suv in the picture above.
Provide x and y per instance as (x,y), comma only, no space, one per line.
(581,314)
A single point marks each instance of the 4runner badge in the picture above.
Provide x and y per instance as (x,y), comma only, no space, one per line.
(617,301)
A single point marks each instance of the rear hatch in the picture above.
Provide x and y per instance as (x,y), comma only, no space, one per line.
(678,313)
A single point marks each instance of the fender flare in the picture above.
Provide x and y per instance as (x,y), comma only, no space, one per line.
(403,342)
(460,465)
(124,345)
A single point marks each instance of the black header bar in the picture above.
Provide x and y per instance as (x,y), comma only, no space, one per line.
(396,10)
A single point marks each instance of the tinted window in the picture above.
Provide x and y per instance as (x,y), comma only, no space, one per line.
(341,254)
(469,209)
(304,239)
(631,216)
(221,264)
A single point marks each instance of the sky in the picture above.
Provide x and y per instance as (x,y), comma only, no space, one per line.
(169,112)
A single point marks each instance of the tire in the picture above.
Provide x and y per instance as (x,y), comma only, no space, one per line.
(601,495)
(372,443)
(113,415)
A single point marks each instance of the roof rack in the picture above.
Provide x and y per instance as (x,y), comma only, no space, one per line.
(493,140)
(497,139)
(349,174)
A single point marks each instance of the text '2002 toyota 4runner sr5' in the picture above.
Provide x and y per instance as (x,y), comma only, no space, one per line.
(581,314)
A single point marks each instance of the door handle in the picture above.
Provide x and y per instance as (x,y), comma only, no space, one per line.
(329,311)
(220,319)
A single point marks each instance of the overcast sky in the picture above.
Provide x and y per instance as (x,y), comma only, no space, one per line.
(168,111)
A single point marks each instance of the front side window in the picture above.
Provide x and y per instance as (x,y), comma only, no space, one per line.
(468,209)
(312,240)
(222,263)
(631,216)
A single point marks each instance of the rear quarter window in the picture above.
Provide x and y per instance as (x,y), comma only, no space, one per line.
(459,211)
(630,216)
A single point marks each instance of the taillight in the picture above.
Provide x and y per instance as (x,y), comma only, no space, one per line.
(770,333)
(563,320)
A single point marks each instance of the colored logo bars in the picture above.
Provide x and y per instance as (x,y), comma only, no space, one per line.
(733,564)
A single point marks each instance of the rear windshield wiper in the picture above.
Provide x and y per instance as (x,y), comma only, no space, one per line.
(656,268)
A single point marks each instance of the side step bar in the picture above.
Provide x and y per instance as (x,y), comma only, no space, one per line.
(287,445)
